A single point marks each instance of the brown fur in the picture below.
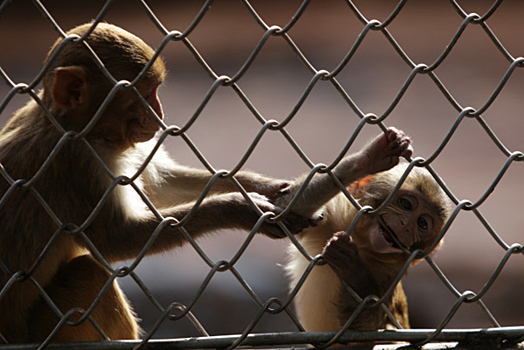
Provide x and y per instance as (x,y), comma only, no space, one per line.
(73,182)
(363,259)
(112,313)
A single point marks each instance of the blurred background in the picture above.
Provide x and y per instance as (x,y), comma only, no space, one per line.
(326,31)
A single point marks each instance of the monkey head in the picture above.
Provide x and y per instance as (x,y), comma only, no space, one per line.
(412,220)
(75,87)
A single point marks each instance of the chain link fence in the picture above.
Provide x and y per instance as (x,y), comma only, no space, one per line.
(336,79)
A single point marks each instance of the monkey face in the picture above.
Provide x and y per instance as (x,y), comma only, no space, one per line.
(144,126)
(381,240)
(141,125)
(408,221)
(135,121)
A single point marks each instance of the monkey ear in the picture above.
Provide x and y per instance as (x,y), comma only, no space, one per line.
(70,87)
(359,188)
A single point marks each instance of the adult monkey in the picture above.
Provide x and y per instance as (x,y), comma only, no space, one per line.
(73,182)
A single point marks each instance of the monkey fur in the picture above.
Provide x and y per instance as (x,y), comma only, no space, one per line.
(368,258)
(61,204)
(49,229)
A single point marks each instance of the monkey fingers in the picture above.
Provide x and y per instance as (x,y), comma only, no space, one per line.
(383,152)
(279,191)
(296,223)
(399,143)
(341,252)
(315,221)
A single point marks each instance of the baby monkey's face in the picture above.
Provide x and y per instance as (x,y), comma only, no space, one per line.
(407,223)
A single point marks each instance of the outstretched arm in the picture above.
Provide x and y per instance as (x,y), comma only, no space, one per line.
(223,211)
(381,154)
(168,183)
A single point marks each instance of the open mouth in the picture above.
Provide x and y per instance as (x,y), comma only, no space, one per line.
(388,233)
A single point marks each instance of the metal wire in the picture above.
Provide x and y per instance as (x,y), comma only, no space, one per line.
(181,36)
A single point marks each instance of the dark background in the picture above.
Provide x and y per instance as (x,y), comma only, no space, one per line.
(225,38)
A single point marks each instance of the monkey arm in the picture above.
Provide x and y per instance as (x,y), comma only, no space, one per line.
(381,154)
(167,183)
(343,254)
(191,182)
(129,235)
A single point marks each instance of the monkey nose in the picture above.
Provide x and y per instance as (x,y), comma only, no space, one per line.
(155,104)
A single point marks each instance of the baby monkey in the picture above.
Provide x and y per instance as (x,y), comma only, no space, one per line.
(370,257)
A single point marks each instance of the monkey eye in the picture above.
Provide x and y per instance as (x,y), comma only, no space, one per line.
(405,203)
(422,223)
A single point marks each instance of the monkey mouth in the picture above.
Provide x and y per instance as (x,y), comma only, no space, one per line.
(145,136)
(387,234)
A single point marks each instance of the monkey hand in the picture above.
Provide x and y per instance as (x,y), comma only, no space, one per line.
(384,152)
(294,222)
(274,189)
(341,252)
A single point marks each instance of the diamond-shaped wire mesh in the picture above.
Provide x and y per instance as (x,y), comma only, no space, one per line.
(282,86)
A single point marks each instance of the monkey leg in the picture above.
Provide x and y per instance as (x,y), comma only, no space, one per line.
(399,307)
(77,285)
